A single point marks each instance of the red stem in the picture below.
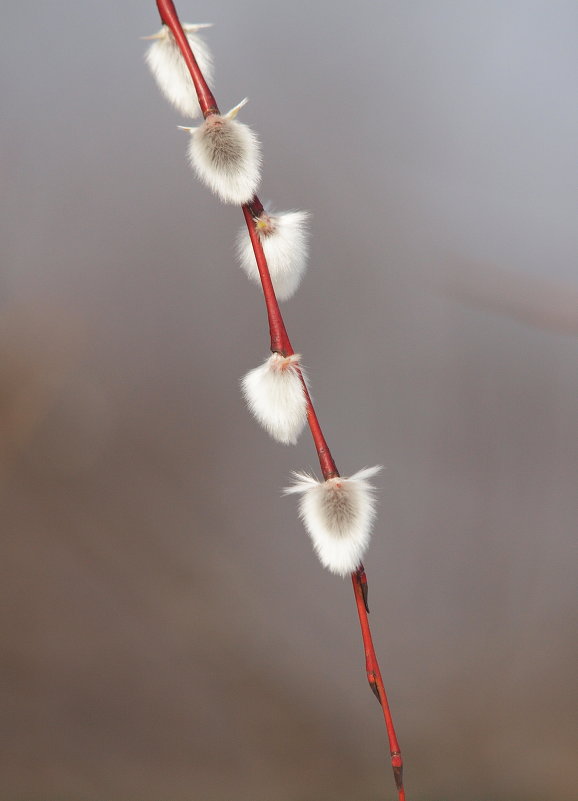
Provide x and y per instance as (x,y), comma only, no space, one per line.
(280,343)
(374,678)
(279,339)
(170,17)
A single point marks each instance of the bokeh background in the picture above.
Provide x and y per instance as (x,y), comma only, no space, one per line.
(166,632)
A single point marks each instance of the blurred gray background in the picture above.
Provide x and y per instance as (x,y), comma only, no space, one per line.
(166,630)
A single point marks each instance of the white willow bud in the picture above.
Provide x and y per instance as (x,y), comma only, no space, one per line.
(284,239)
(226,156)
(338,515)
(276,398)
(170,70)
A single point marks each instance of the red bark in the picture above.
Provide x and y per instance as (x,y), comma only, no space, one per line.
(280,343)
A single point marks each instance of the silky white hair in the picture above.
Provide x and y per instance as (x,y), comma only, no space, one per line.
(284,238)
(170,70)
(226,156)
(338,515)
(275,397)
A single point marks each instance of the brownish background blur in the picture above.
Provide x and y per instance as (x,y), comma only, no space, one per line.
(166,632)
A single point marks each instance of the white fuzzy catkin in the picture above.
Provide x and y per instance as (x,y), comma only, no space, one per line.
(226,156)
(170,70)
(284,239)
(338,515)
(275,397)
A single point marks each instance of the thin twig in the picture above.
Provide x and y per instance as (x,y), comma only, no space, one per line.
(280,343)
(374,678)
